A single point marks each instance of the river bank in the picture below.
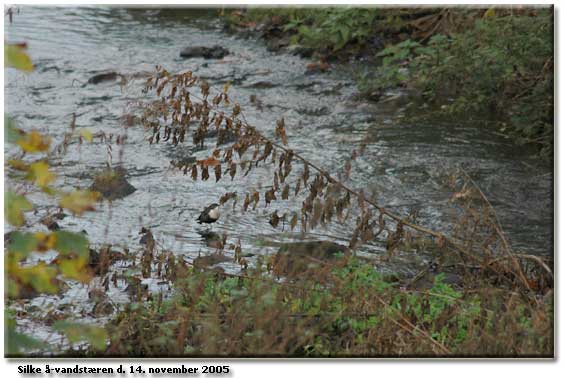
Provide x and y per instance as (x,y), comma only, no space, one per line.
(430,51)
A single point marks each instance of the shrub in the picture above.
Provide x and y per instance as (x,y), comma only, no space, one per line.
(500,69)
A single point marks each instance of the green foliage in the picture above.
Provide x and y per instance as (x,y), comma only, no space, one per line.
(494,66)
(502,68)
(76,332)
(354,312)
(330,28)
(16,343)
(334,28)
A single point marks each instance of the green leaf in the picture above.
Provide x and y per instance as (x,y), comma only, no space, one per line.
(11,132)
(387,51)
(14,206)
(76,332)
(22,243)
(16,57)
(69,242)
(14,342)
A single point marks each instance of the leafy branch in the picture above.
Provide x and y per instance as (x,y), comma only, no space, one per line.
(181,107)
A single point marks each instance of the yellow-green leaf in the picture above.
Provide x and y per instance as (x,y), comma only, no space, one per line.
(41,277)
(18,165)
(80,201)
(34,142)
(74,269)
(40,174)
(12,288)
(226,86)
(489,13)
(14,206)
(86,134)
(16,57)
(45,242)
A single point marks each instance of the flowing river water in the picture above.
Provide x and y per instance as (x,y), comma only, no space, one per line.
(403,166)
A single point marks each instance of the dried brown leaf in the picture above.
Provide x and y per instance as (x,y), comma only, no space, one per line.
(205,173)
(285,192)
(274,219)
(348,169)
(226,197)
(298,187)
(305,174)
(247,202)
(294,221)
(361,202)
(233,170)
(281,131)
(275,181)
(317,211)
(269,196)
(209,162)
(256,199)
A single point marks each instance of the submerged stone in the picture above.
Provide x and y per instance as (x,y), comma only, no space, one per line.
(112,184)
(202,262)
(305,258)
(223,136)
(214,52)
(262,84)
(318,249)
(107,76)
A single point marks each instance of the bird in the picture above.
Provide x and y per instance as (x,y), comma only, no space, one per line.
(210,214)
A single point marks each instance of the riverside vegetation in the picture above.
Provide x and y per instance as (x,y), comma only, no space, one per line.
(71,262)
(497,63)
(478,297)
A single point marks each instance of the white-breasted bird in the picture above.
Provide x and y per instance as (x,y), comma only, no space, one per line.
(210,214)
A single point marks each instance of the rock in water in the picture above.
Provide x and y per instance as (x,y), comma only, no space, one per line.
(304,259)
(107,76)
(322,250)
(214,52)
(202,262)
(112,184)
